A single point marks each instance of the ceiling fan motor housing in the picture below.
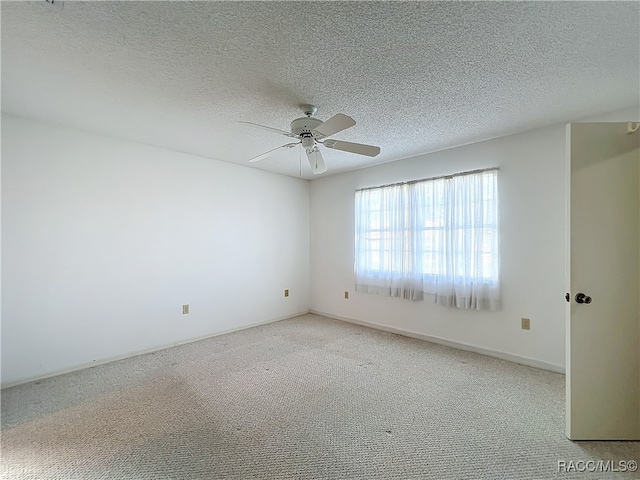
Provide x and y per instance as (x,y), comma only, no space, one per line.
(304,126)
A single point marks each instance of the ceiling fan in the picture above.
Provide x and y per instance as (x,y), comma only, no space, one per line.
(312,132)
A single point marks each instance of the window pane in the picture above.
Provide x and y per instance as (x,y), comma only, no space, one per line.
(441,227)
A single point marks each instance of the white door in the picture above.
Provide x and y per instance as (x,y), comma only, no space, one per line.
(603,327)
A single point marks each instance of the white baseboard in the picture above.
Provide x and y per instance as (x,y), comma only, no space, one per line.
(531,362)
(102,361)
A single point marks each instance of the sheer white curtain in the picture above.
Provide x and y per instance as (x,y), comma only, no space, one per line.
(438,237)
(382,240)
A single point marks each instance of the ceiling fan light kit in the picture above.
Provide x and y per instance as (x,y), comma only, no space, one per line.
(312,132)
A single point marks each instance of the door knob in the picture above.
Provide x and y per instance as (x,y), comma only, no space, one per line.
(567,297)
(582,298)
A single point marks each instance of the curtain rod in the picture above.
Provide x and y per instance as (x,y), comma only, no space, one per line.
(430,178)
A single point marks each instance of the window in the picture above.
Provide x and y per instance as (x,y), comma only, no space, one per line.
(438,236)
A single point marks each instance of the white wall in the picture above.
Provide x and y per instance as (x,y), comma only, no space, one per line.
(103,240)
(532,195)
(531,189)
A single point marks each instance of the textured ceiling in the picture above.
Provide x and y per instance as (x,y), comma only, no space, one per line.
(416,76)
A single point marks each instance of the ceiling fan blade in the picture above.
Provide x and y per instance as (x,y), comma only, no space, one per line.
(272,151)
(359,148)
(335,124)
(277,130)
(317,162)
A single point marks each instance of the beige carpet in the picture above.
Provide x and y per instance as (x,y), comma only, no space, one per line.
(303,398)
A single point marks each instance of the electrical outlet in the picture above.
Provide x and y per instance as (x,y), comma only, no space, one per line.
(525,323)
(185,309)
(286,292)
(346,295)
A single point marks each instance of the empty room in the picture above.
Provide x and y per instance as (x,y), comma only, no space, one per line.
(320,240)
